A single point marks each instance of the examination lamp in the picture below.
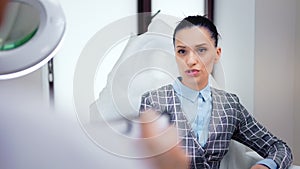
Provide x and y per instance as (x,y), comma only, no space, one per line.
(30,35)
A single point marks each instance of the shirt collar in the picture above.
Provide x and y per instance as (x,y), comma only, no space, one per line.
(189,93)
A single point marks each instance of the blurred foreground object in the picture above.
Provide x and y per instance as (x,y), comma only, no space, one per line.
(152,128)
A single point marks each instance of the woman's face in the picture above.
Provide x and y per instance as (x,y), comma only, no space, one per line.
(195,56)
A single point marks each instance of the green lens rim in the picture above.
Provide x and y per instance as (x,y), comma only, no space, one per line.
(20,42)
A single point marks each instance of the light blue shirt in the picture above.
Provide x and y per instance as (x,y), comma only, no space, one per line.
(197,106)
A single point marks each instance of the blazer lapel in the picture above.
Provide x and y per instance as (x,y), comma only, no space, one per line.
(216,124)
(183,126)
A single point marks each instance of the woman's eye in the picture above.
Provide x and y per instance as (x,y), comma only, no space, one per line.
(201,50)
(181,51)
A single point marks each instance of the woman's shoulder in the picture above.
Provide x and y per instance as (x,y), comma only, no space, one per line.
(224,94)
(163,90)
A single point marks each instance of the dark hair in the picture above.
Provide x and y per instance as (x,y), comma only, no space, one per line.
(199,21)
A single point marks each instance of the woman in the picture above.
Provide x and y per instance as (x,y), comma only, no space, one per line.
(209,118)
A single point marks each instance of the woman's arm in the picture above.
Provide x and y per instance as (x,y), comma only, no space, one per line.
(257,137)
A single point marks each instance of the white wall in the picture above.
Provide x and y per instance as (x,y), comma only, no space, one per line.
(260,61)
(274,66)
(235,22)
(177,8)
(84,19)
(297,89)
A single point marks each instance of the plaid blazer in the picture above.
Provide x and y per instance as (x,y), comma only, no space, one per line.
(229,120)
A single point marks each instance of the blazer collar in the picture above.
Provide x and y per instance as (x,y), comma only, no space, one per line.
(189,93)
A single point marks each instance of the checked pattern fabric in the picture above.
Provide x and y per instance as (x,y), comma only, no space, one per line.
(229,120)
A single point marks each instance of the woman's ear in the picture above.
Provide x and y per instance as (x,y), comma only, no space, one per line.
(218,54)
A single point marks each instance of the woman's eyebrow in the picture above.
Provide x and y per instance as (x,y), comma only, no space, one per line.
(180,46)
(198,45)
(202,44)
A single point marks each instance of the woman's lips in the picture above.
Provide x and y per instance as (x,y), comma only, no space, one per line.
(192,72)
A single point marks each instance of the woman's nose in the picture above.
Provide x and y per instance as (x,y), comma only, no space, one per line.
(192,59)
